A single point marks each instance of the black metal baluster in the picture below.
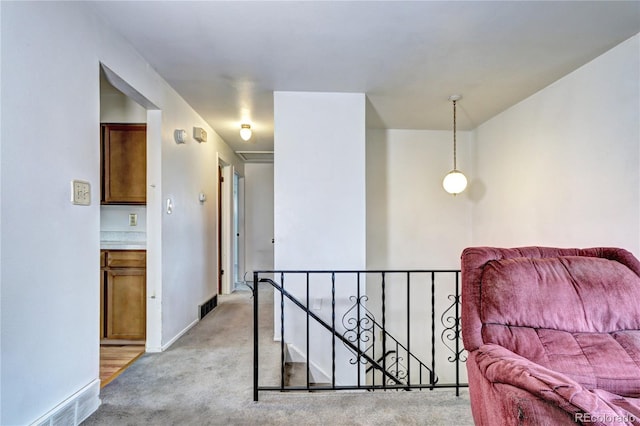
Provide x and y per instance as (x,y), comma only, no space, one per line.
(373,372)
(282,332)
(255,336)
(384,333)
(333,329)
(433,327)
(358,324)
(457,339)
(397,361)
(408,329)
(308,353)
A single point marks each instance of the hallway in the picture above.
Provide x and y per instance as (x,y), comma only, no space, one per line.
(205,378)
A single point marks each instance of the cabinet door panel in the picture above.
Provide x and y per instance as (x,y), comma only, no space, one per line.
(124,157)
(102,310)
(126,304)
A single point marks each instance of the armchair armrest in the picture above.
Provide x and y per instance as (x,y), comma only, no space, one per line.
(594,406)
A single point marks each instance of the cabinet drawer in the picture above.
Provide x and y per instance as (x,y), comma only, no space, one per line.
(127,259)
(103,258)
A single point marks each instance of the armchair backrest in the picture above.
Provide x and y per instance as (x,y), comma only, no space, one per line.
(575,290)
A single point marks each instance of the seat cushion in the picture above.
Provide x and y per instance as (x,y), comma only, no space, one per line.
(608,361)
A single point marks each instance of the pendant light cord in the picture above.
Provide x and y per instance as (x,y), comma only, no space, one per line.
(454,136)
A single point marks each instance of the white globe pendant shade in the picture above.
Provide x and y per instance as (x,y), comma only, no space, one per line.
(245,132)
(454,182)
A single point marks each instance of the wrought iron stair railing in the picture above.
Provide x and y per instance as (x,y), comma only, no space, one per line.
(400,368)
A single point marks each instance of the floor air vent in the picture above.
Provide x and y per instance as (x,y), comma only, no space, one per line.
(208,306)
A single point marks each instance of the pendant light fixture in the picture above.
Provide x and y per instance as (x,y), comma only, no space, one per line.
(454,182)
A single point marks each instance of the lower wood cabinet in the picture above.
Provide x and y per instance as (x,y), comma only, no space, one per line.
(123,297)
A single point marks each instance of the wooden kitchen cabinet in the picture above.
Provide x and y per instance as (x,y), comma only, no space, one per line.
(126,303)
(124,163)
(124,286)
(126,259)
(102,310)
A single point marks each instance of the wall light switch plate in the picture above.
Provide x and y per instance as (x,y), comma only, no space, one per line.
(80,192)
(133,219)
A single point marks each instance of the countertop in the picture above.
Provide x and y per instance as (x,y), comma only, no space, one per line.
(115,240)
(122,245)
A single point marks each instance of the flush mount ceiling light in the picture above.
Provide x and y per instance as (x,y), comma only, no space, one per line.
(454,182)
(245,132)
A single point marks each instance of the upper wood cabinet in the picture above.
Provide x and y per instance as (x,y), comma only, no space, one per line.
(124,163)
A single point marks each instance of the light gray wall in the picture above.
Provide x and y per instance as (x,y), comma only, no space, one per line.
(116,107)
(561,168)
(319,180)
(320,204)
(412,222)
(258,197)
(51,55)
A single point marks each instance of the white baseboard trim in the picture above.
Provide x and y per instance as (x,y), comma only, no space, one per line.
(177,336)
(153,349)
(75,409)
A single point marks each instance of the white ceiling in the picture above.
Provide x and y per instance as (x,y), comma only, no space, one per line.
(227,57)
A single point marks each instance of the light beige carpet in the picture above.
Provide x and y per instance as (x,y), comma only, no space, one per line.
(205,378)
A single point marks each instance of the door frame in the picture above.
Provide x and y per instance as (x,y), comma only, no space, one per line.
(154,210)
(220,215)
(225,229)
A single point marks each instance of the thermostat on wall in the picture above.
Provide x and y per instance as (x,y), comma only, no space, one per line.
(199,134)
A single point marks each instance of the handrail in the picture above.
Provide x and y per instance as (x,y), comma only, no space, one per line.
(380,359)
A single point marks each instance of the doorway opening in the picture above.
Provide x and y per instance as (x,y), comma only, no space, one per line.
(230,228)
(125,117)
(236,230)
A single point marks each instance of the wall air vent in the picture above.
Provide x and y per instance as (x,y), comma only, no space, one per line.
(208,306)
(256,156)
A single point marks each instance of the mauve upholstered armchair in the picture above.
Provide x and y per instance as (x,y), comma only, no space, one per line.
(553,335)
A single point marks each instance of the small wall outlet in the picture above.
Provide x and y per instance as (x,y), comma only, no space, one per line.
(133,219)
